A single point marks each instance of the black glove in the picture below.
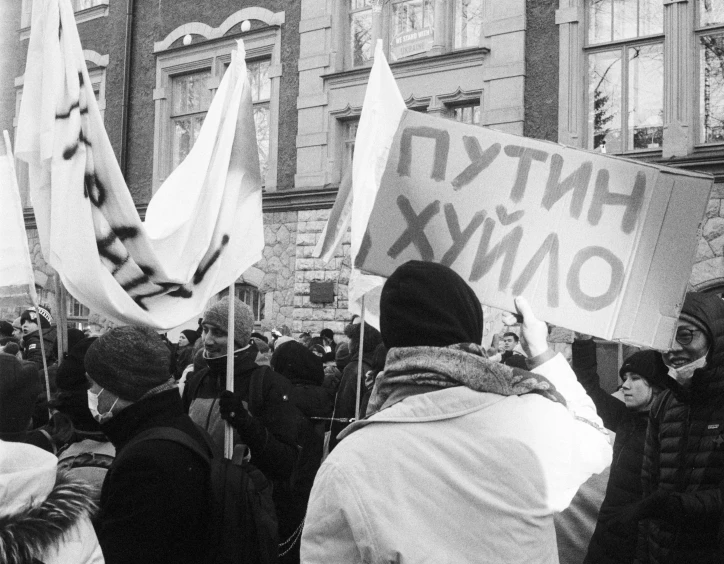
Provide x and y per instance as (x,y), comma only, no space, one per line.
(656,505)
(232,409)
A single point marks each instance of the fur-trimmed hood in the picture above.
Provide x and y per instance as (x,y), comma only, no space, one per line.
(38,507)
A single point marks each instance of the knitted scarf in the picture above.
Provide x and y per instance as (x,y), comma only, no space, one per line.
(416,370)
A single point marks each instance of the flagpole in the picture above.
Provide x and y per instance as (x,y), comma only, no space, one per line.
(228,429)
(42,352)
(359,360)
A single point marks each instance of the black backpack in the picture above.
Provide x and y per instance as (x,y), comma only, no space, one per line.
(243,528)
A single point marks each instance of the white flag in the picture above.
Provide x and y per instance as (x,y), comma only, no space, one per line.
(16,271)
(381,114)
(203,227)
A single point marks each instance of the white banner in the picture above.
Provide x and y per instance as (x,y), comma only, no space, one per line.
(16,272)
(203,227)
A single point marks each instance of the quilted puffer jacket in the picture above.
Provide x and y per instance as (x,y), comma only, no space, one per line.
(684,456)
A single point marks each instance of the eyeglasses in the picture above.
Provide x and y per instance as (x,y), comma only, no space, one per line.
(685,336)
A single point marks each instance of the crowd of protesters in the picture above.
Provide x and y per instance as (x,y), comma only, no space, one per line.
(407,444)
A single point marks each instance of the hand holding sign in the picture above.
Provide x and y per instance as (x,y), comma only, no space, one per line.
(534,332)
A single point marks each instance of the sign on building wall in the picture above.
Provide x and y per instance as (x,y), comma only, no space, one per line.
(598,244)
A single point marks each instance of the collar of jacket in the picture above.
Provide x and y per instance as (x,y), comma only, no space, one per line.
(243,362)
(437,405)
(31,533)
(157,410)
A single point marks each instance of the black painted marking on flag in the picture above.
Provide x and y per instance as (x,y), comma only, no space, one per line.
(202,270)
(66,115)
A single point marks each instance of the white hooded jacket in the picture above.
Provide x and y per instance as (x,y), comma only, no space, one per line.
(44,516)
(456,476)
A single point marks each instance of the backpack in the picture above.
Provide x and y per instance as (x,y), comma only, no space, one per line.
(243,527)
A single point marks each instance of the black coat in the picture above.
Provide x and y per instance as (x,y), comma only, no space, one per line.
(154,502)
(345,402)
(684,457)
(272,438)
(611,545)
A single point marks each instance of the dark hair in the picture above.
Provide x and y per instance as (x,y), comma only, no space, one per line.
(327,332)
(511,334)
(372,338)
(260,336)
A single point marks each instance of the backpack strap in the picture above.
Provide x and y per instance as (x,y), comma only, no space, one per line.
(174,435)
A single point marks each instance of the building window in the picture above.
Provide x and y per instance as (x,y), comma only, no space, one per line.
(710,42)
(252,297)
(260,97)
(77,313)
(186,81)
(360,31)
(26,11)
(469,113)
(408,27)
(625,64)
(412,28)
(191,99)
(468,23)
(350,134)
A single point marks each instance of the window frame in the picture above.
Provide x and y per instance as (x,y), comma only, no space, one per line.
(215,54)
(698,31)
(622,45)
(446,29)
(681,107)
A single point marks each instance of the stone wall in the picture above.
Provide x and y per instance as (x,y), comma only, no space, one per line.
(311,316)
(709,262)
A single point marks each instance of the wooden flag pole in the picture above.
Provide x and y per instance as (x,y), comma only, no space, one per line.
(228,429)
(359,361)
(61,316)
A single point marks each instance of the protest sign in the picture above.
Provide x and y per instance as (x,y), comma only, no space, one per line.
(598,244)
(203,227)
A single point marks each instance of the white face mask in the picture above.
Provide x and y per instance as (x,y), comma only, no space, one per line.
(683,374)
(93,406)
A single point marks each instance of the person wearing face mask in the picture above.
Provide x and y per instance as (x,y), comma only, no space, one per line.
(683,464)
(644,378)
(154,499)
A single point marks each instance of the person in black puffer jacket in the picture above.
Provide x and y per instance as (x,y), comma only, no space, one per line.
(684,454)
(644,376)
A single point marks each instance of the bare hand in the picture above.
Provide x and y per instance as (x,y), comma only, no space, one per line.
(534,332)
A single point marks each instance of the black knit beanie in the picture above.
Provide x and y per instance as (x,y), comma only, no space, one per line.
(129,361)
(191,335)
(427,304)
(647,364)
(71,372)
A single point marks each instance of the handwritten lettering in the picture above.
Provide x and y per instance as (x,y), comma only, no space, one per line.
(460,238)
(577,181)
(479,161)
(525,156)
(442,148)
(415,232)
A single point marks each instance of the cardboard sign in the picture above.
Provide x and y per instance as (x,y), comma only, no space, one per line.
(411,43)
(598,244)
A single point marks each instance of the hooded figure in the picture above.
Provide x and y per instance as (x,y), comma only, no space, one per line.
(683,465)
(44,515)
(459,459)
(644,378)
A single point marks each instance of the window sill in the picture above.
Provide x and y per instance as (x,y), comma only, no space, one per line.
(450,60)
(99,11)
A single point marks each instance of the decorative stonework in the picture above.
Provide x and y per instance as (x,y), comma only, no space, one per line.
(709,261)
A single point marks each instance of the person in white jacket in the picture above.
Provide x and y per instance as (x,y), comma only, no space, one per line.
(460,459)
(45,516)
